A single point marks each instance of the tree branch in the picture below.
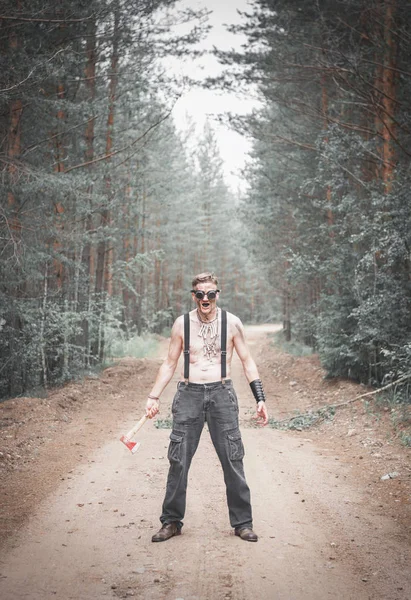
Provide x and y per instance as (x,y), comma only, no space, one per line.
(115,152)
(31,20)
(16,85)
(377,391)
(61,133)
(352,400)
(294,143)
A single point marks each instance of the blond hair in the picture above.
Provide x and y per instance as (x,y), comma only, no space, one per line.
(203,278)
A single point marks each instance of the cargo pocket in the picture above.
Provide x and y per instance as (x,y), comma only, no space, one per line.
(235,445)
(174,448)
(175,401)
(233,398)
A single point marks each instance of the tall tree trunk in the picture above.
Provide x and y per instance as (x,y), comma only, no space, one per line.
(388,94)
(135,300)
(385,83)
(104,270)
(109,146)
(16,380)
(127,249)
(43,355)
(178,291)
(157,265)
(58,206)
(164,286)
(14,149)
(141,283)
(287,312)
(324,110)
(89,251)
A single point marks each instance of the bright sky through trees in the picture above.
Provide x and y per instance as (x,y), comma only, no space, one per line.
(197,104)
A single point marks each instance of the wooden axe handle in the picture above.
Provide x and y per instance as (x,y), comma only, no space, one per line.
(136,427)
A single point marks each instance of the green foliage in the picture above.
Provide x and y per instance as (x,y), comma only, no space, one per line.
(166,423)
(137,347)
(328,206)
(406,439)
(293,347)
(396,401)
(304,420)
(106,211)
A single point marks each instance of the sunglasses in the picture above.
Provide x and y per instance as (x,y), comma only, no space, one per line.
(199,294)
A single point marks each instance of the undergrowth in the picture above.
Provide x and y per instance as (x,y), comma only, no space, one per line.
(398,404)
(304,420)
(137,346)
(294,347)
(166,423)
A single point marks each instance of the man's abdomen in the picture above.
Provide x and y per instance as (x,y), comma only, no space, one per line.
(205,373)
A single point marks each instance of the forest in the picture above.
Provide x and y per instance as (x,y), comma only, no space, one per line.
(107,209)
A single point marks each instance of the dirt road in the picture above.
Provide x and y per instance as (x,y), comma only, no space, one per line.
(89,532)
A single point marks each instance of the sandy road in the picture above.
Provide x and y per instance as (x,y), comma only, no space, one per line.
(91,538)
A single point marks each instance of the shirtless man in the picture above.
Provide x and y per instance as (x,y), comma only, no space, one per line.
(206,397)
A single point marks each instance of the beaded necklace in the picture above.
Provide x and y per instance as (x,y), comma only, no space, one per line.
(209,333)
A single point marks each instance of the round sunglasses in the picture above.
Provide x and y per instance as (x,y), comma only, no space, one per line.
(199,294)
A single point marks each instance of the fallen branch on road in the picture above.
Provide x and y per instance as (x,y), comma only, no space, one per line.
(326,412)
(377,391)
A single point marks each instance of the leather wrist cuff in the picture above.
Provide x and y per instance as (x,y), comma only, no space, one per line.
(258,390)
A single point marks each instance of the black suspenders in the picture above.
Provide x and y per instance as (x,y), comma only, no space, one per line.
(186,346)
(223,346)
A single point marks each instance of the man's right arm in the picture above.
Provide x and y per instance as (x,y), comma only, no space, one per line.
(167,369)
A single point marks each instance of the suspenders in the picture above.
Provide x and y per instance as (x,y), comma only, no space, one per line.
(186,346)
(223,346)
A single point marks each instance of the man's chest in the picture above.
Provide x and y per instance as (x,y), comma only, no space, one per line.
(200,346)
(206,339)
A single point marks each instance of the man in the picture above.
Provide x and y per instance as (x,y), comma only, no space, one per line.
(206,394)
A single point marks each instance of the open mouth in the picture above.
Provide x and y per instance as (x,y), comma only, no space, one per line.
(205,305)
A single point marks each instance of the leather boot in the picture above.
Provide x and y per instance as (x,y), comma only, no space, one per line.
(166,532)
(247,534)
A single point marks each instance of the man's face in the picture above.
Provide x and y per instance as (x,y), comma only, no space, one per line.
(205,306)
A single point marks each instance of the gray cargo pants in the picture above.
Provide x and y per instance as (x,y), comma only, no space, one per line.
(215,403)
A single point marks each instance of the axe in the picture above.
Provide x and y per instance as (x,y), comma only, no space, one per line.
(126,439)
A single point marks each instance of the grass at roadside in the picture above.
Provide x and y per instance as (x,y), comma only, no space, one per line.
(395,401)
(166,423)
(137,347)
(294,347)
(304,420)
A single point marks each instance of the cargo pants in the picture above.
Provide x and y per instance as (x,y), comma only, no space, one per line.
(217,405)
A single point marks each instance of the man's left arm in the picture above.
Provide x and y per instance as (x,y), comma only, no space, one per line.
(250,370)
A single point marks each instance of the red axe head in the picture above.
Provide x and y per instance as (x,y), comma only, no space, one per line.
(133,446)
(126,439)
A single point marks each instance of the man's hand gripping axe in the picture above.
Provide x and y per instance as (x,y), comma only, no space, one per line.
(126,439)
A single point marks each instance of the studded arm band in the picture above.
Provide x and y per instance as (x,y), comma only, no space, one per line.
(258,391)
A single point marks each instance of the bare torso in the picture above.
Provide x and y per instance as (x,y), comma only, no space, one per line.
(207,368)
(205,349)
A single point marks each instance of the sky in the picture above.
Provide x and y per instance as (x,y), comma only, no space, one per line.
(199,104)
